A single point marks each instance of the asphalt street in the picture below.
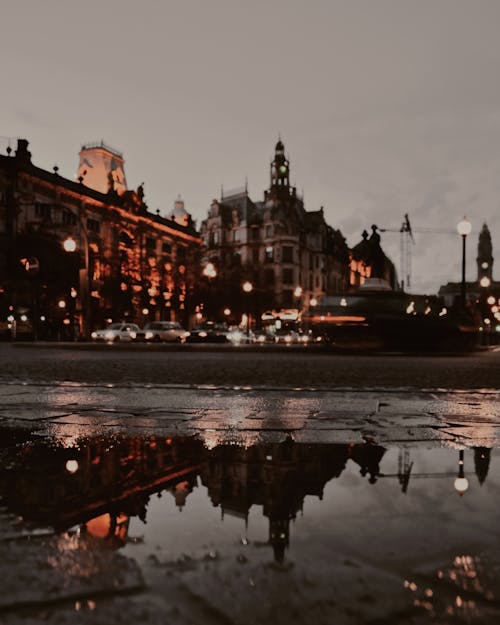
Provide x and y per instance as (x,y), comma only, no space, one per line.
(236,366)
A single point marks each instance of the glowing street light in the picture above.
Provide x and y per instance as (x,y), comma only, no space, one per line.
(247,287)
(69,244)
(463,228)
(461,483)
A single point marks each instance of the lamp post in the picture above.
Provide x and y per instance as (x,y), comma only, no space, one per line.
(463,228)
(71,246)
(210,272)
(247,287)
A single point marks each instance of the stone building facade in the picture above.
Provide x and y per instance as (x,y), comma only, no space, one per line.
(291,256)
(77,254)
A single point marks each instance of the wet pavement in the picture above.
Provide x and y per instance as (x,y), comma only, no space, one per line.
(183,503)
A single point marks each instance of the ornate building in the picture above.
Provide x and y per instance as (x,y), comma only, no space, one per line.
(290,255)
(74,255)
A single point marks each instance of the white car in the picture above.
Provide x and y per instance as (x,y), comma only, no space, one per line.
(116,332)
(164,331)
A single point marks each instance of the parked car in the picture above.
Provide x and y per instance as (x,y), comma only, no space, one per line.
(237,336)
(169,331)
(117,332)
(208,332)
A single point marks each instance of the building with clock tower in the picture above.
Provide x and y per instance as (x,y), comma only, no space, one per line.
(291,255)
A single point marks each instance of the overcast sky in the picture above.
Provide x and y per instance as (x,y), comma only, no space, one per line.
(385,107)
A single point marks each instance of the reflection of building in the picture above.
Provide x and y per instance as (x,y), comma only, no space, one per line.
(275,476)
(100,486)
(129,264)
(97,484)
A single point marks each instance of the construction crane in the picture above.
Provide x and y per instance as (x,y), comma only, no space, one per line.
(406,241)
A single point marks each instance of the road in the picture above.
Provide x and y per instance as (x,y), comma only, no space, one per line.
(288,368)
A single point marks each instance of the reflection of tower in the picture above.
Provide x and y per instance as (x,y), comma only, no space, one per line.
(181,490)
(368,456)
(279,534)
(404,469)
(102,168)
(484,255)
(481,462)
(110,527)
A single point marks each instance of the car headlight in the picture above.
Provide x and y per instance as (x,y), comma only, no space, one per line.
(109,335)
(203,334)
(94,335)
(133,335)
(148,335)
(186,334)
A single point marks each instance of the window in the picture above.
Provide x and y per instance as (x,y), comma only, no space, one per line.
(236,236)
(255,234)
(287,276)
(181,252)
(93,225)
(269,231)
(166,248)
(150,243)
(287,254)
(269,257)
(216,238)
(43,210)
(68,218)
(255,257)
(269,277)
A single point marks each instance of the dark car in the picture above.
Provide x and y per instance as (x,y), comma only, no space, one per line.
(208,332)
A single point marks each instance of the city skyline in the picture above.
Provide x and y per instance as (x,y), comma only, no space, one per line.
(385,108)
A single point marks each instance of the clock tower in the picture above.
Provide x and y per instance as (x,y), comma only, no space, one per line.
(280,168)
(484,255)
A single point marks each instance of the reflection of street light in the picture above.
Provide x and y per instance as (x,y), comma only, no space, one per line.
(461,482)
(248,288)
(463,228)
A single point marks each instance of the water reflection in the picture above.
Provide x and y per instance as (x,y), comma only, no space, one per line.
(99,484)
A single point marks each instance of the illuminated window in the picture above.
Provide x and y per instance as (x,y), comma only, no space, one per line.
(269,258)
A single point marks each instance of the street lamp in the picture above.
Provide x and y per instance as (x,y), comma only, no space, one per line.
(71,246)
(463,228)
(247,287)
(210,272)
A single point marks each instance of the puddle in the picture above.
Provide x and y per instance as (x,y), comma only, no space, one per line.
(279,531)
